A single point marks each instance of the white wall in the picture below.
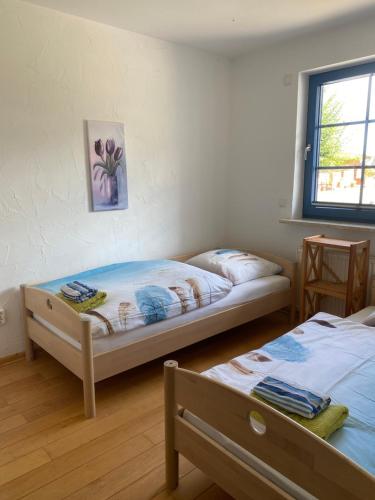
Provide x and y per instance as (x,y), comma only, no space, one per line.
(263,134)
(57,71)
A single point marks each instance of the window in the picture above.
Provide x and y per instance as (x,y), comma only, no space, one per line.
(340,152)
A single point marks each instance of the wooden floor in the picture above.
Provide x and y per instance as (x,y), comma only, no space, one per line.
(48,450)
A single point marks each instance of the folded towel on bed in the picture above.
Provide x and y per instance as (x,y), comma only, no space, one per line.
(291,398)
(88,304)
(323,425)
(76,291)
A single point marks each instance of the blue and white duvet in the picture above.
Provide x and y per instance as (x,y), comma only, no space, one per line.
(327,355)
(140,293)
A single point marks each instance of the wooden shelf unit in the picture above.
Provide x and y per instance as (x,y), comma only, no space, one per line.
(352,290)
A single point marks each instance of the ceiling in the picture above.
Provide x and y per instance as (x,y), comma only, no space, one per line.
(228,27)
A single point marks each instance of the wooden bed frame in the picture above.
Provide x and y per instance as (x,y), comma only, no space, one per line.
(91,368)
(287,447)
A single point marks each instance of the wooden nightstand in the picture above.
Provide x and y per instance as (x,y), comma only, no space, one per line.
(313,286)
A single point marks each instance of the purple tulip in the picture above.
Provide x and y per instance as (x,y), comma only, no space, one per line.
(99,148)
(118,154)
(110,146)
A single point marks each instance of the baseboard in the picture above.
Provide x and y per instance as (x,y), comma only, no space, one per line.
(11,358)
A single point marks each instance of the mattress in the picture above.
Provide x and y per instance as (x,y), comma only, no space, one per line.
(240,294)
(304,357)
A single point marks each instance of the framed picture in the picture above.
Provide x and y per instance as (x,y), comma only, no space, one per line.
(109,188)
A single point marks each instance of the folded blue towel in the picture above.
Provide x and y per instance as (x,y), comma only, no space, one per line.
(78,292)
(290,398)
(82,288)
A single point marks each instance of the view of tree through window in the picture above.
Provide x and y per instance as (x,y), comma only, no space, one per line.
(346,155)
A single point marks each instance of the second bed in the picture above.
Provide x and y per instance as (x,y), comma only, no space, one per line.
(253,451)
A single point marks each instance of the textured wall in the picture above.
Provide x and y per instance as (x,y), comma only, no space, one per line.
(265,92)
(57,71)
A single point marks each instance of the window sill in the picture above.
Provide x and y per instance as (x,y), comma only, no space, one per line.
(337,225)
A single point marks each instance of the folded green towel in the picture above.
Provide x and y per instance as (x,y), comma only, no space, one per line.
(323,425)
(87,305)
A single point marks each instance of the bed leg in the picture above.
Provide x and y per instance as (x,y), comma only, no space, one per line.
(29,346)
(88,370)
(29,349)
(171,455)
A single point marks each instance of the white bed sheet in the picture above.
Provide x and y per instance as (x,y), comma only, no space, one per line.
(239,294)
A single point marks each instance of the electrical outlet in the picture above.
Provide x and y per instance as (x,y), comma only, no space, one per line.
(3,318)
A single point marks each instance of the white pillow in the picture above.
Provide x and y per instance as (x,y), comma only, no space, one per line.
(236,265)
(370,320)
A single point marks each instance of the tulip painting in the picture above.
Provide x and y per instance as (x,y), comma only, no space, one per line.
(107,165)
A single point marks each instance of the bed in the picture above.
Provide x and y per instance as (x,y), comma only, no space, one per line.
(210,417)
(54,326)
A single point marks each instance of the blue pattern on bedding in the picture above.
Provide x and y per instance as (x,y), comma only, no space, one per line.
(153,302)
(223,251)
(143,292)
(287,349)
(107,274)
